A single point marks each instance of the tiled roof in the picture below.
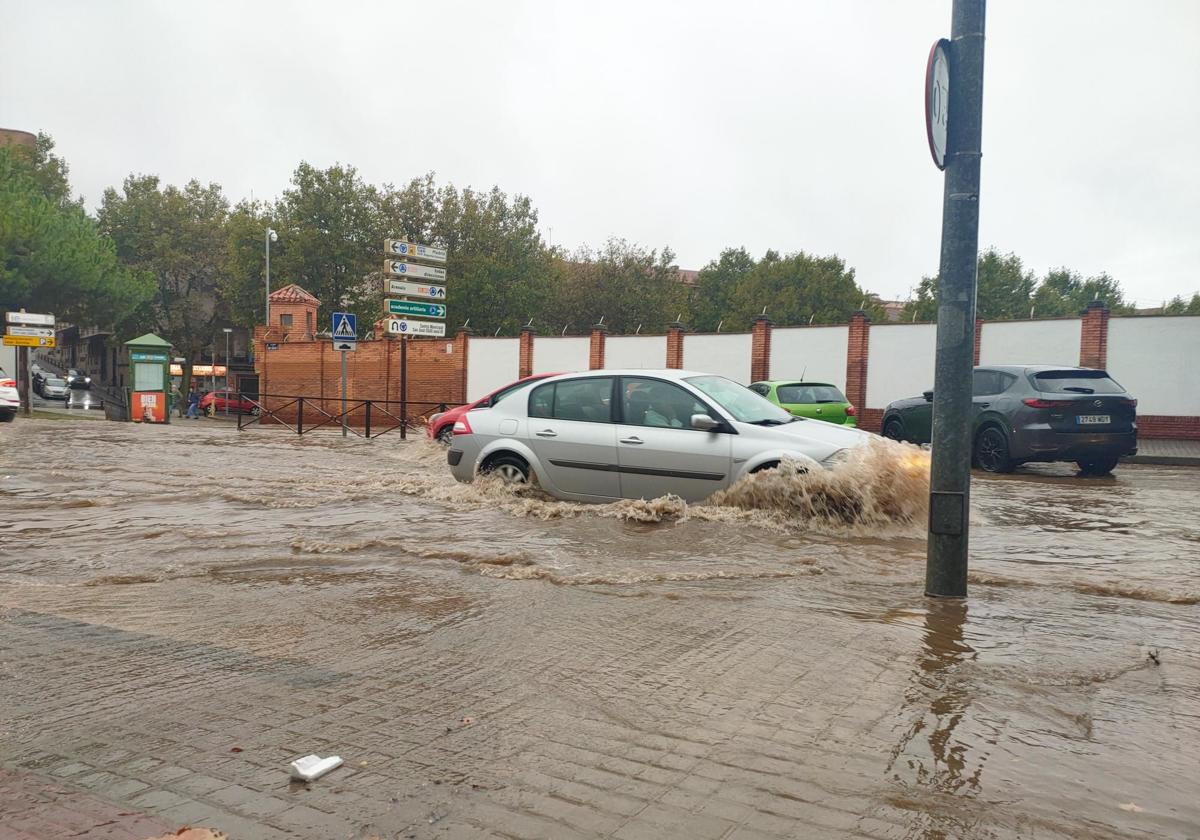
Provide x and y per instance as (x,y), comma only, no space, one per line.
(292,293)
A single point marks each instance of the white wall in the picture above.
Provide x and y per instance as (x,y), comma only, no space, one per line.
(560,354)
(636,351)
(899,362)
(491,363)
(8,360)
(727,355)
(1030,342)
(1157,360)
(818,354)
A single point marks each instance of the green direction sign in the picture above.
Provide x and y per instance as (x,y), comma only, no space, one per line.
(410,307)
(135,356)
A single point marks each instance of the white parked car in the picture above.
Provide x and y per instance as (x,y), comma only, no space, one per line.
(10,400)
(611,434)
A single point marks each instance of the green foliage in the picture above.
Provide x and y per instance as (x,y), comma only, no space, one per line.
(241,284)
(176,237)
(1007,290)
(52,258)
(1178,306)
(716,287)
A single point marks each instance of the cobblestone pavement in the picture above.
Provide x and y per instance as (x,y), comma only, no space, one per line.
(551,672)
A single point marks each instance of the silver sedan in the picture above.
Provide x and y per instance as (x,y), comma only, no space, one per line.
(611,434)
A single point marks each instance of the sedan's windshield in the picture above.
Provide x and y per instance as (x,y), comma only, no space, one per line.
(745,405)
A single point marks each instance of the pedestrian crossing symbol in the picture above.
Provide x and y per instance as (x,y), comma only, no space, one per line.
(344,326)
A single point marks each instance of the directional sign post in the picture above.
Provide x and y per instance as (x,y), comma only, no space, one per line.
(421,290)
(30,341)
(35,329)
(40,332)
(411,250)
(416,271)
(32,319)
(345,339)
(404,326)
(416,308)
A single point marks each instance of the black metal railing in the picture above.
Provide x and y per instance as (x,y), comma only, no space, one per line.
(364,418)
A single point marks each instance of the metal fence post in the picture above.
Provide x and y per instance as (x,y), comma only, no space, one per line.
(368,422)
(300,418)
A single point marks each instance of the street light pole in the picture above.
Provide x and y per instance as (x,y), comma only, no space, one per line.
(950,473)
(269,237)
(227,331)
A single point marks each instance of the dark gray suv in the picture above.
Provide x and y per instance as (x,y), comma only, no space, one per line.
(1034,413)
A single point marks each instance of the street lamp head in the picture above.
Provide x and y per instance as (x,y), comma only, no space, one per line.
(273,235)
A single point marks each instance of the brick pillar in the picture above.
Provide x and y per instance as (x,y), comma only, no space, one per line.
(760,348)
(525,363)
(1093,337)
(978,336)
(596,348)
(857,347)
(675,345)
(462,347)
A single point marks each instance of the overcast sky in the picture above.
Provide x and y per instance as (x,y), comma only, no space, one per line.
(698,125)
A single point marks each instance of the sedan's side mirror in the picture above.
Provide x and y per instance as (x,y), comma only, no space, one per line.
(705,423)
(928,395)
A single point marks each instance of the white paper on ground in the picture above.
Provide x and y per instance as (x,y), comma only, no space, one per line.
(312,767)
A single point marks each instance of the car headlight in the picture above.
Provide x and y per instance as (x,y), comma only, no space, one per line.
(87,379)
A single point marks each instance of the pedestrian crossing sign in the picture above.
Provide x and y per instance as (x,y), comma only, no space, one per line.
(344,326)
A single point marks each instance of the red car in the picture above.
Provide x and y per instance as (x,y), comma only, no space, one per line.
(215,402)
(441,425)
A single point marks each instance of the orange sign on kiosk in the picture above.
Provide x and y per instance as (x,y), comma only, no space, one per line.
(149,407)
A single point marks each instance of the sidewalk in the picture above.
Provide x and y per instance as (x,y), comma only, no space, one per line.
(1183,453)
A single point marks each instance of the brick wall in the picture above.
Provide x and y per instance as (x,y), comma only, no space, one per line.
(675,346)
(1093,338)
(760,349)
(596,347)
(857,353)
(1162,426)
(525,362)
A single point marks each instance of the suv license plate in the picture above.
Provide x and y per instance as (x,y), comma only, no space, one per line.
(1094,419)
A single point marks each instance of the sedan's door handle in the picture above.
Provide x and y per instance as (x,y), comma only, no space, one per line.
(636,440)
(983,405)
(546,433)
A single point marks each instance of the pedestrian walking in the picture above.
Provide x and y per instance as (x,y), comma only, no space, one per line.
(193,410)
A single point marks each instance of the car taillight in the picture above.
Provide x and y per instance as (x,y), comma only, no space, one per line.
(8,383)
(851,411)
(462,427)
(1132,403)
(1034,402)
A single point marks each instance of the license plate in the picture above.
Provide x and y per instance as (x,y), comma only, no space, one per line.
(1094,419)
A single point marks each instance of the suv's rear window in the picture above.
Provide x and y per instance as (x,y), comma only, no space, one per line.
(1076,382)
(807,394)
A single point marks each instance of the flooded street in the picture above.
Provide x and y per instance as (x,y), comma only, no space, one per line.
(185,609)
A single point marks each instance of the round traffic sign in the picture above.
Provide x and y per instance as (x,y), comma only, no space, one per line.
(937,100)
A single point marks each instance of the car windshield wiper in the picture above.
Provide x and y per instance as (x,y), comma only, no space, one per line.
(773,421)
(1078,389)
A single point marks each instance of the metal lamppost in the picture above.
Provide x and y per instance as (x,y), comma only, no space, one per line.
(268,238)
(227,331)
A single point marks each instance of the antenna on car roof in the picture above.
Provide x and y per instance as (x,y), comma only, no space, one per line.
(804,371)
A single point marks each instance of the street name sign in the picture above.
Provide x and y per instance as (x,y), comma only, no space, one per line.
(43,332)
(404,326)
(32,319)
(412,307)
(411,250)
(937,100)
(413,270)
(29,341)
(400,287)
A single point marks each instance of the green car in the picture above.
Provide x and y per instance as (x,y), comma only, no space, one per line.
(815,400)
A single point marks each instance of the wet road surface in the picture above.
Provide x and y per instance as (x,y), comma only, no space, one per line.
(197,607)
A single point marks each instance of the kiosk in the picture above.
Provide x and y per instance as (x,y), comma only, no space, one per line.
(149,365)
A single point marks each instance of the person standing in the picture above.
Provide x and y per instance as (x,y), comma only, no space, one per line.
(193,410)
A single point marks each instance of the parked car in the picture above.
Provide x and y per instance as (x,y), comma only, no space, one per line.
(1026,413)
(604,435)
(78,379)
(441,425)
(814,400)
(54,388)
(10,400)
(215,402)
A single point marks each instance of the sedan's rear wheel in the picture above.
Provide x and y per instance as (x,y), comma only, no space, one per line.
(893,430)
(509,468)
(991,451)
(211,411)
(446,435)
(1102,465)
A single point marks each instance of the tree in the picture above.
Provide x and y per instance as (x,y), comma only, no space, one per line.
(1065,292)
(798,289)
(628,285)
(715,289)
(242,282)
(1178,306)
(1004,290)
(177,237)
(52,257)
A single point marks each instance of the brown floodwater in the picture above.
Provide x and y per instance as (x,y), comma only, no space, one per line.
(773,643)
